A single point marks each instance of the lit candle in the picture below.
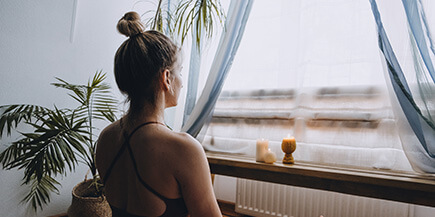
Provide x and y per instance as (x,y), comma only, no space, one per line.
(269,157)
(288,146)
(262,146)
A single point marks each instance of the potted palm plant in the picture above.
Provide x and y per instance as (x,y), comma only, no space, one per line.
(59,139)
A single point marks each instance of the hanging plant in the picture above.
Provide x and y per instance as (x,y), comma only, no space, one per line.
(196,16)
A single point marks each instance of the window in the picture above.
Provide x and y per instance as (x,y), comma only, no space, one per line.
(312,70)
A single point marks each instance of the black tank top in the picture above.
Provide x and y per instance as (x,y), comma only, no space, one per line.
(174,207)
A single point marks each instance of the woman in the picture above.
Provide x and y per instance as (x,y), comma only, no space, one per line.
(147,169)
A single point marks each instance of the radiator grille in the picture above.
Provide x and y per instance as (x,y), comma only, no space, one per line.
(267,199)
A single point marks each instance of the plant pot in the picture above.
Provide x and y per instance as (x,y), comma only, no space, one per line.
(83,205)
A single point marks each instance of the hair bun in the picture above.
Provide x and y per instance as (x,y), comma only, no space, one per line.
(130,24)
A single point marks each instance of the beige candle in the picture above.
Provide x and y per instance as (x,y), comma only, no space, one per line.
(288,146)
(262,147)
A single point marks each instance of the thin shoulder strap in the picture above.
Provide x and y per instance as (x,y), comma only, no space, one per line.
(124,145)
(139,177)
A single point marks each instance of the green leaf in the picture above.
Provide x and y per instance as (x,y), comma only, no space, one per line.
(40,191)
(12,115)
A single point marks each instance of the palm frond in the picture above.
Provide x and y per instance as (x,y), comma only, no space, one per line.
(157,24)
(183,21)
(197,15)
(48,151)
(189,15)
(11,153)
(107,115)
(78,90)
(40,192)
(159,19)
(12,115)
(95,98)
(104,105)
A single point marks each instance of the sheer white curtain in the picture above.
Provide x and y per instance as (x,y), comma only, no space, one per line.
(324,55)
(229,43)
(405,38)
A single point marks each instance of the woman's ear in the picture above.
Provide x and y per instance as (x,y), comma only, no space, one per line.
(166,79)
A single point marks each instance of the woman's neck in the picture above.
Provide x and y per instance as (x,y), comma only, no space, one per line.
(145,112)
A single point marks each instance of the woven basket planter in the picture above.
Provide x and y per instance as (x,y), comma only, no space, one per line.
(82,205)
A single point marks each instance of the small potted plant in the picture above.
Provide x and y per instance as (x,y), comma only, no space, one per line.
(59,140)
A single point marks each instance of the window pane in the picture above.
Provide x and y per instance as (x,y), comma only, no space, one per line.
(309,68)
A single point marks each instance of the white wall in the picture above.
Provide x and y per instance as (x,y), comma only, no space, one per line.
(35,47)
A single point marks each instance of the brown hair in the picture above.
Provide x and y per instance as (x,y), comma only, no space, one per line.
(141,59)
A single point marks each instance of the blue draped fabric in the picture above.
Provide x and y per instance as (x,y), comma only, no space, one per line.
(417,20)
(422,159)
(192,84)
(228,45)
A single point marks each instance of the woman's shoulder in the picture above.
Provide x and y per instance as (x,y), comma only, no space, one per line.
(185,146)
(188,156)
(109,131)
(185,142)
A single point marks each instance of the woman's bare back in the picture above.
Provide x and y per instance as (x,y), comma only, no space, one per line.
(152,147)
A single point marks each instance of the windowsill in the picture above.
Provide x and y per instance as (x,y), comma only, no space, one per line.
(402,187)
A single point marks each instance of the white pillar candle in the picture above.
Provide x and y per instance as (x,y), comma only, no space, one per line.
(262,147)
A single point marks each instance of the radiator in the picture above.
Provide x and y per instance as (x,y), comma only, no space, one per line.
(267,199)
